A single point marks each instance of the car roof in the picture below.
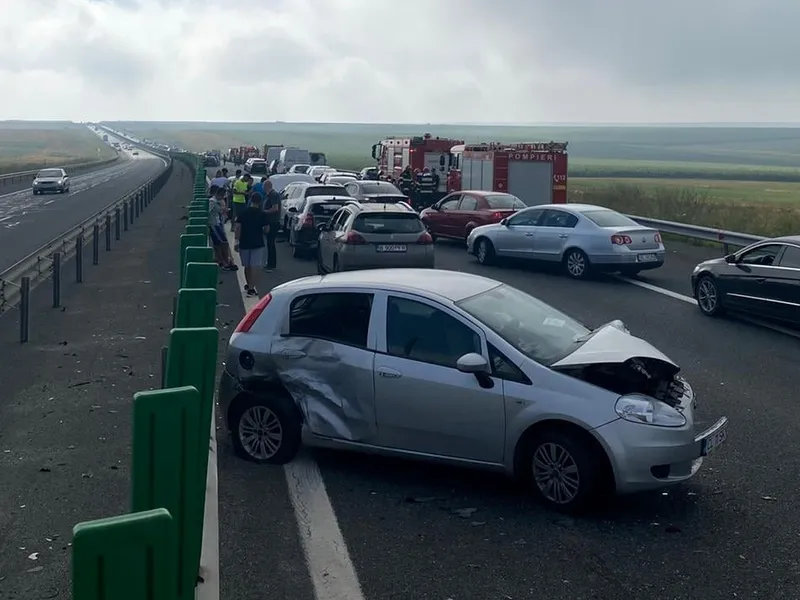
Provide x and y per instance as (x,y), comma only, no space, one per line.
(791,239)
(448,285)
(323,199)
(385,207)
(484,193)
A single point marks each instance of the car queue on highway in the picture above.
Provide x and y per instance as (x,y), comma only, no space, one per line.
(596,410)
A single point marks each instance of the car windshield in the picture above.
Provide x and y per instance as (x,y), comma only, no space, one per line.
(300,168)
(608,218)
(325,190)
(49,173)
(536,329)
(504,201)
(375,187)
(326,208)
(388,223)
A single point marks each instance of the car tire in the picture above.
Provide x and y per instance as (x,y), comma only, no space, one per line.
(564,472)
(297,252)
(337,268)
(277,424)
(320,266)
(576,264)
(630,272)
(706,293)
(484,250)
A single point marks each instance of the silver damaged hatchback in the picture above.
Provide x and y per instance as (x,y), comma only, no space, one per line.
(455,368)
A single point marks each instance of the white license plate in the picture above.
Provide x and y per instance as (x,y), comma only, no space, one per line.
(647,258)
(391,248)
(713,441)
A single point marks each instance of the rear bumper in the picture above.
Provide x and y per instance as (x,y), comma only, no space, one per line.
(627,261)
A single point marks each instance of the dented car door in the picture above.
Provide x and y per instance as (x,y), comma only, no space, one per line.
(325,359)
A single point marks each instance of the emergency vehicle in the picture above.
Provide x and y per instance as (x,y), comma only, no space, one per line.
(534,172)
(396,153)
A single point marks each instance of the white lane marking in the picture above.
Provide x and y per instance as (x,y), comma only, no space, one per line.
(327,558)
(208,589)
(658,290)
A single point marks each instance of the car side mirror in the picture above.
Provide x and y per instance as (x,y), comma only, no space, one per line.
(291,209)
(472,363)
(504,222)
(322,227)
(730,259)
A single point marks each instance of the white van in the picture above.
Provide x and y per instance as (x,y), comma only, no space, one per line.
(293,156)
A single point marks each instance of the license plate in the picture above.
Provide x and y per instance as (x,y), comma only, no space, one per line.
(713,441)
(391,248)
(647,258)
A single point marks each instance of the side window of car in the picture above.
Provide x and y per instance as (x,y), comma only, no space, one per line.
(302,206)
(417,331)
(449,205)
(503,368)
(763,255)
(334,222)
(791,257)
(468,203)
(558,218)
(528,218)
(310,316)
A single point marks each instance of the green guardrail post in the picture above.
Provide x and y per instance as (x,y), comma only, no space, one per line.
(197,221)
(197,230)
(198,254)
(166,447)
(198,214)
(187,241)
(128,557)
(197,307)
(192,361)
(200,275)
(203,208)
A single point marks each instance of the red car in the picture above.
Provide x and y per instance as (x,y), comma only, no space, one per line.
(455,215)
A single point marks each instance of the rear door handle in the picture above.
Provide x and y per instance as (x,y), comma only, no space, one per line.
(563,235)
(528,235)
(389,373)
(761,280)
(293,354)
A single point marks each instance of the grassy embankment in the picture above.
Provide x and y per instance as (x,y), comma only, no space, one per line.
(740,179)
(29,145)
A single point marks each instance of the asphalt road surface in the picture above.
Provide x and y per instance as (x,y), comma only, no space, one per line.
(28,222)
(417,532)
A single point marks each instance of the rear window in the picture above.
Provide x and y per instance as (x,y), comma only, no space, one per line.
(325,190)
(378,188)
(300,168)
(386,200)
(325,209)
(259,167)
(504,202)
(388,223)
(609,218)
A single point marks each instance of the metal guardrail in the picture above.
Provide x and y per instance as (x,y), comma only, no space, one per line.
(698,232)
(75,169)
(17,281)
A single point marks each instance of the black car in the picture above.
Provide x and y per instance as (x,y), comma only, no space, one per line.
(305,220)
(762,279)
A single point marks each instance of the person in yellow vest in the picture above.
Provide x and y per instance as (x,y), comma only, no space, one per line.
(240,189)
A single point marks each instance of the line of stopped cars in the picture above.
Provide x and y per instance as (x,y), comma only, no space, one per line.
(455,368)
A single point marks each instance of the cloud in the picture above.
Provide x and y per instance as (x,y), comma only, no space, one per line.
(413,61)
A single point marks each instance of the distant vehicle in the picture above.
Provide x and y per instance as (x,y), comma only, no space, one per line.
(255,166)
(338,179)
(290,157)
(304,221)
(326,177)
(396,153)
(368,173)
(272,153)
(375,191)
(299,168)
(51,180)
(105,137)
(317,171)
(294,194)
(762,279)
(449,367)
(535,172)
(457,214)
(135,153)
(580,237)
(374,236)
(317,159)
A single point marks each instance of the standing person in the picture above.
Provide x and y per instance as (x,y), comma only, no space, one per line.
(251,227)
(216,229)
(436,181)
(259,187)
(426,189)
(219,180)
(272,209)
(239,201)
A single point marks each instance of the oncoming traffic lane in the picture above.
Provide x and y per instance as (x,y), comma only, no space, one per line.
(417,531)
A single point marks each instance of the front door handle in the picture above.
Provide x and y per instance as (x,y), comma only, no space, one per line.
(563,235)
(293,354)
(528,235)
(389,373)
(761,280)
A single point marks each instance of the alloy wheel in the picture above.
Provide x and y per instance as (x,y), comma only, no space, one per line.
(260,432)
(707,295)
(576,264)
(555,473)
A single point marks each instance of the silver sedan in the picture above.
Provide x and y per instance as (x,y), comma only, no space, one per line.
(455,368)
(579,237)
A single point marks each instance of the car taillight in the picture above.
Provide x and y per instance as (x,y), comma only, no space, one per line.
(621,240)
(250,318)
(425,238)
(308,221)
(354,238)
(657,238)
(497,216)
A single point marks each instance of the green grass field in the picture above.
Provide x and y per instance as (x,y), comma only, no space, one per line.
(738,178)
(29,145)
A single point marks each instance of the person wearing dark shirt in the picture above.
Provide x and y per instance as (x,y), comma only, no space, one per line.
(272,209)
(251,226)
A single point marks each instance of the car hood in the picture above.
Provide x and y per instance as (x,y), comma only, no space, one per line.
(612,343)
(712,262)
(48,179)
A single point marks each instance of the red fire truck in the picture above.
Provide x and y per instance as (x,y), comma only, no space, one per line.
(396,153)
(534,172)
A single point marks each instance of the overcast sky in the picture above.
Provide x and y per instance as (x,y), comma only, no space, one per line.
(515,61)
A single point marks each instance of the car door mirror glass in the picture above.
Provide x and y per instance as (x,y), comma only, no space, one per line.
(730,259)
(292,209)
(472,363)
(322,227)
(504,222)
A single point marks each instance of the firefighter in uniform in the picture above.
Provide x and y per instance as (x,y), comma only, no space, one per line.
(407,182)
(426,188)
(435,176)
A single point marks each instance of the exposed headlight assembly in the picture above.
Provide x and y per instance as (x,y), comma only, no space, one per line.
(648,411)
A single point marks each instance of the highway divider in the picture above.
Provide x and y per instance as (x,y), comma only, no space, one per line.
(154,551)
(728,239)
(104,227)
(71,169)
